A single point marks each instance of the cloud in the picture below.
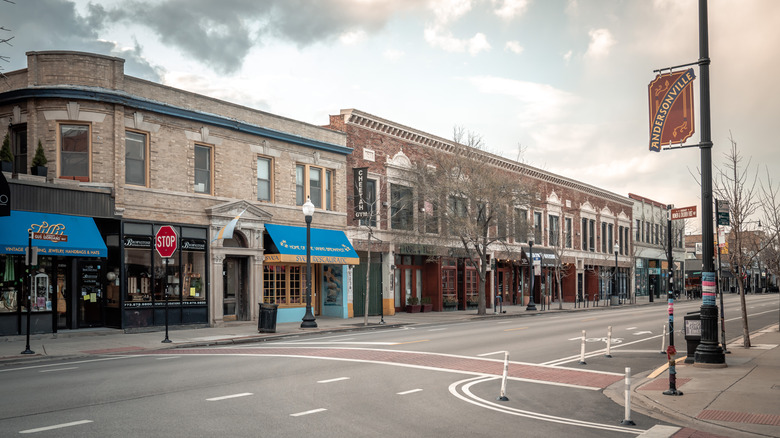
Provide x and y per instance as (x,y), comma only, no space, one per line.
(567,57)
(539,103)
(55,25)
(601,41)
(509,9)
(514,47)
(438,34)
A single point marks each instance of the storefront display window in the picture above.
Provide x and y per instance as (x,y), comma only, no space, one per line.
(10,284)
(283,284)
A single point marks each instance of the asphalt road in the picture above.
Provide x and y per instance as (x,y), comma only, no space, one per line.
(425,380)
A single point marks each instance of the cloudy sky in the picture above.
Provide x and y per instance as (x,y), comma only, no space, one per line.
(563,80)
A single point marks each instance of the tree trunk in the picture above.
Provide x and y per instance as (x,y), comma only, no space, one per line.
(560,293)
(745,330)
(481,308)
(368,282)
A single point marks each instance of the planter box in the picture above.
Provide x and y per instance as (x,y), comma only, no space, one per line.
(450,307)
(7,166)
(426,308)
(39,170)
(413,308)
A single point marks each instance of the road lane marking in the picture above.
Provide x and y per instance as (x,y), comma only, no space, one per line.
(632,328)
(333,380)
(644,332)
(334,343)
(58,369)
(166,358)
(516,328)
(56,426)
(225,397)
(469,397)
(491,353)
(32,367)
(313,411)
(411,391)
(590,319)
(411,342)
(436,329)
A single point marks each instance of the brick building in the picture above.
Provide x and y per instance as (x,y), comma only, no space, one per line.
(593,225)
(128,155)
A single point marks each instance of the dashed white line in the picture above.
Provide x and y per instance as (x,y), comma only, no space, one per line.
(411,391)
(333,380)
(313,411)
(56,426)
(225,397)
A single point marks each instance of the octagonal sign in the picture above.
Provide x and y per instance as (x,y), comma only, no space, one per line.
(166,241)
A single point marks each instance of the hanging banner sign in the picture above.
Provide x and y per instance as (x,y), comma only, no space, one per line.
(362,209)
(671,109)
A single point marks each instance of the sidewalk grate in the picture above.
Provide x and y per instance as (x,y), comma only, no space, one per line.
(739,417)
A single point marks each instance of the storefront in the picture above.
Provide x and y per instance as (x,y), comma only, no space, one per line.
(147,281)
(284,271)
(67,271)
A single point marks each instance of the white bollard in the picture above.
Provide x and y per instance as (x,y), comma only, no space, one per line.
(582,350)
(663,340)
(503,396)
(627,421)
(609,340)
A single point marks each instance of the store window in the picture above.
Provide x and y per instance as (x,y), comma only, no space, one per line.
(74,152)
(283,284)
(136,153)
(203,168)
(264,179)
(316,183)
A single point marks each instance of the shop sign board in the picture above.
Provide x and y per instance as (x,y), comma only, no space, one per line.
(165,241)
(671,109)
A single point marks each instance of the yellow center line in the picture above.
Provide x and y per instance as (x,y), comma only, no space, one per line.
(663,368)
(411,342)
(589,319)
(517,328)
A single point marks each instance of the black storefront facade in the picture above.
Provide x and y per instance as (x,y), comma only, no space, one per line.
(93,268)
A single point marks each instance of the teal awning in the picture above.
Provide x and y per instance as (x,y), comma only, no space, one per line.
(327,246)
(53,234)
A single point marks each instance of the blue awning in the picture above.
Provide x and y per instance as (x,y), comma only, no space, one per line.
(327,246)
(53,234)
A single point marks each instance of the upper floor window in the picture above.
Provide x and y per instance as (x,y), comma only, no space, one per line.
(315,182)
(264,179)
(592,234)
(18,139)
(604,247)
(538,227)
(203,168)
(501,223)
(521,225)
(401,215)
(370,194)
(74,152)
(554,229)
(610,238)
(568,230)
(136,153)
(430,210)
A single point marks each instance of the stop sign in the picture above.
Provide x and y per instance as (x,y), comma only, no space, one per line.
(165,241)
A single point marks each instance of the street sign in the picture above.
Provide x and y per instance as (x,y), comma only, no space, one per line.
(166,241)
(723,212)
(683,213)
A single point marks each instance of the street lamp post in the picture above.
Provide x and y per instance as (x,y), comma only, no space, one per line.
(613,299)
(308,318)
(531,305)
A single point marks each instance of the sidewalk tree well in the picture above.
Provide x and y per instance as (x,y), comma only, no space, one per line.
(465,190)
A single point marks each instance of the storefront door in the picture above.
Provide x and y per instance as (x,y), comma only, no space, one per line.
(234,302)
(89,293)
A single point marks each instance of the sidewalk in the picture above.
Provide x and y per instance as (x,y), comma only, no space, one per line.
(740,400)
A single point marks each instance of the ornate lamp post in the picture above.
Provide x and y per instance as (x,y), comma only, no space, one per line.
(613,299)
(308,318)
(531,305)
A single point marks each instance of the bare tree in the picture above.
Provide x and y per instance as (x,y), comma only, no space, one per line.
(770,207)
(5,38)
(735,184)
(473,192)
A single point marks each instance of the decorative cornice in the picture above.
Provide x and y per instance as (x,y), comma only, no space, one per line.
(377,124)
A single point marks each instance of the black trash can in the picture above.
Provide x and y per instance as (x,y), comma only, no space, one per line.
(692,326)
(266,323)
